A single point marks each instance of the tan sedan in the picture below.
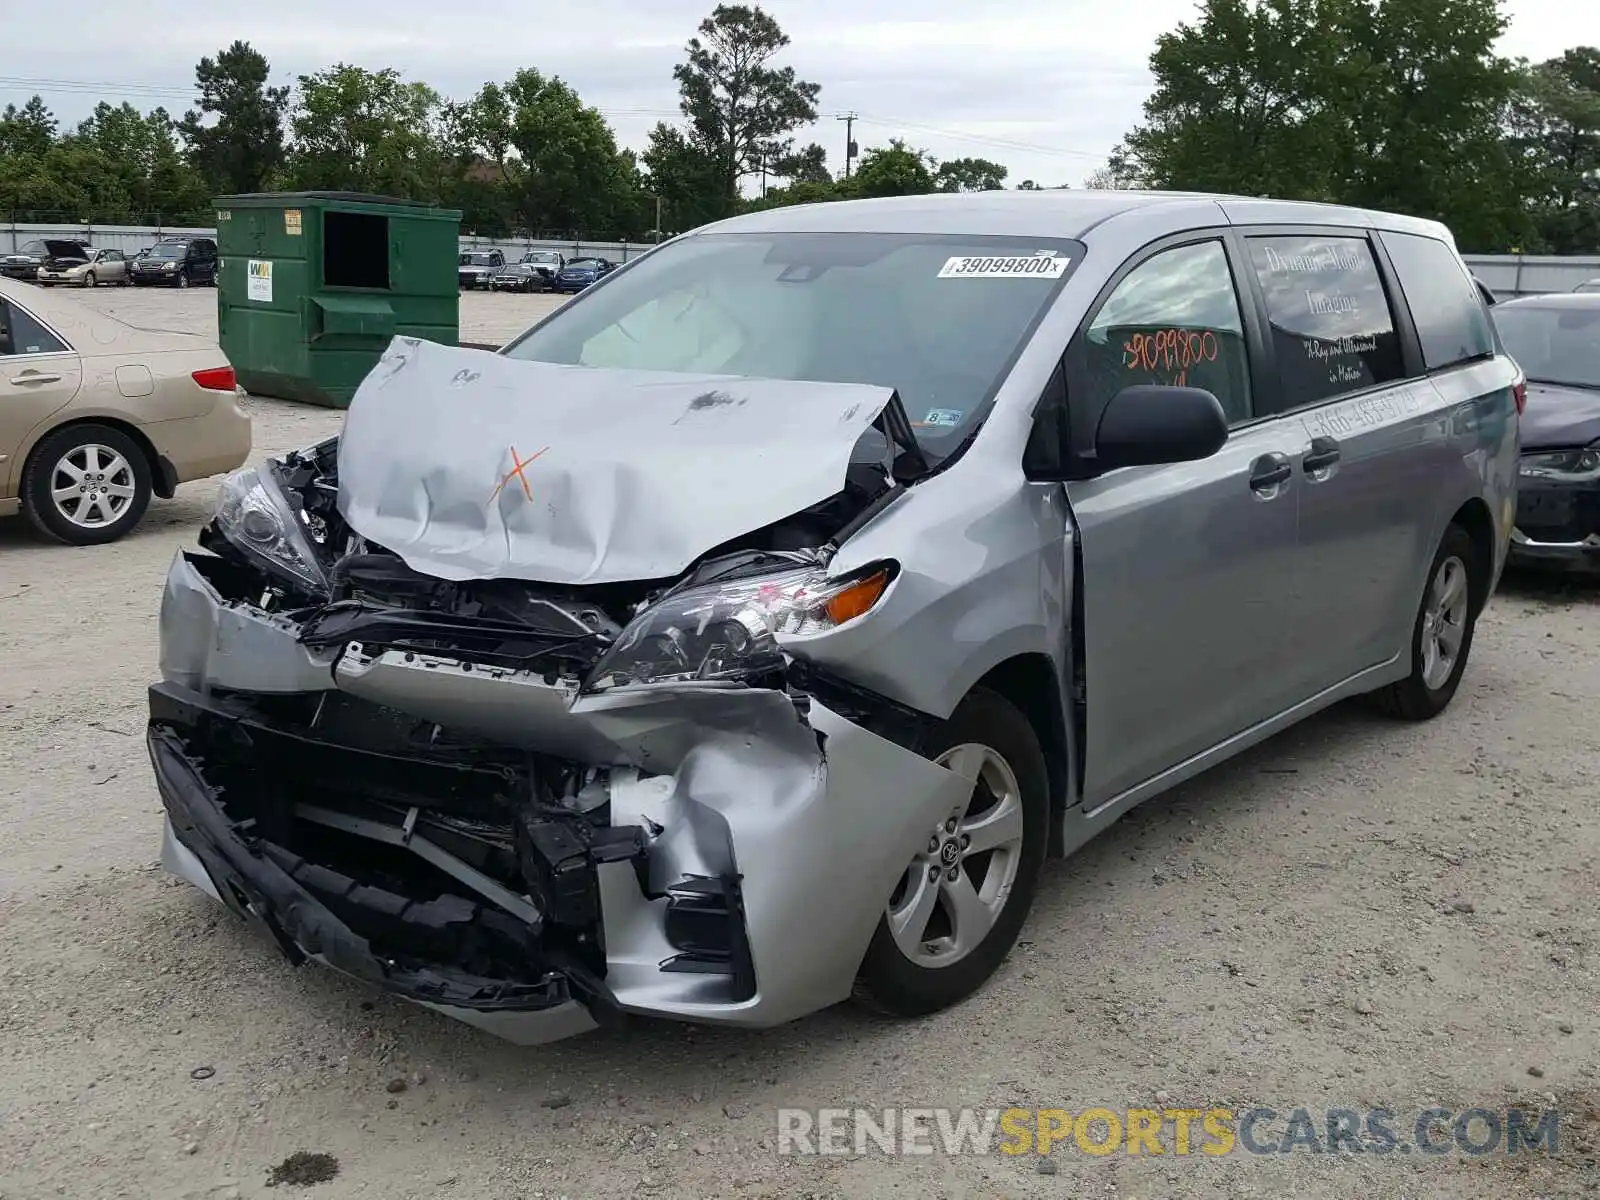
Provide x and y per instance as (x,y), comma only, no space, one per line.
(96,416)
(101,266)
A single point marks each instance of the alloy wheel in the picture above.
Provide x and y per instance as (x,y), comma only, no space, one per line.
(956,887)
(92,486)
(1444,622)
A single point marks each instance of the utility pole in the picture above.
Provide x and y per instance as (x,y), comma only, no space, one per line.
(849,120)
(658,217)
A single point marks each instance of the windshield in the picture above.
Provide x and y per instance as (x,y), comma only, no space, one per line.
(1553,345)
(169,250)
(937,318)
(477,260)
(516,269)
(33,249)
(584,264)
(541,257)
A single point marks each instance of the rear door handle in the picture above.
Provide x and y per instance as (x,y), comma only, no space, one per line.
(1320,458)
(1268,474)
(33,377)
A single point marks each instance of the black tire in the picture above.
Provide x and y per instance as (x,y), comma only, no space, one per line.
(1413,699)
(893,984)
(182,280)
(89,280)
(38,482)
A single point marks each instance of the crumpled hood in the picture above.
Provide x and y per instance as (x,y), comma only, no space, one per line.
(471,465)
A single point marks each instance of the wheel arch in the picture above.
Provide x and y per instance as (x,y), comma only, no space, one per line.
(1474,517)
(1029,681)
(163,481)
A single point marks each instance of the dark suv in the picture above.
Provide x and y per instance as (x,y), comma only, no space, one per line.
(177,262)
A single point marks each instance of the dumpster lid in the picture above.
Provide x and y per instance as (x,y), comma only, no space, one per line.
(334,197)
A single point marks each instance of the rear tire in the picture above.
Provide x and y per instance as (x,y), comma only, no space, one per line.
(78,456)
(927,968)
(1441,637)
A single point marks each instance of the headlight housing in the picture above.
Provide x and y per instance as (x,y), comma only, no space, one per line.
(254,516)
(1563,464)
(729,631)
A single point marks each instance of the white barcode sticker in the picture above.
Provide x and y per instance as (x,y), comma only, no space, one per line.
(1029,266)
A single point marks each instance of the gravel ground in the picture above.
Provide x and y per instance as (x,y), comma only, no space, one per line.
(1359,914)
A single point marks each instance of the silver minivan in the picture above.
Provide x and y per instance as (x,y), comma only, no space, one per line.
(745,635)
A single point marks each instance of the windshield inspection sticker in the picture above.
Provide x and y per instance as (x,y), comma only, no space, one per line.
(1046,264)
(942,418)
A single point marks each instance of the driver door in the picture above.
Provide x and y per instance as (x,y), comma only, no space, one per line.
(1187,569)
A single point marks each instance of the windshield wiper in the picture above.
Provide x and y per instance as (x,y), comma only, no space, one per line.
(1565,383)
(910,464)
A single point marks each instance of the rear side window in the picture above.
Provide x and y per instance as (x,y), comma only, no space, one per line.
(21,334)
(1332,330)
(1445,305)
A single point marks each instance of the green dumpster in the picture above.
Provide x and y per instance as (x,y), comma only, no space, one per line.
(313,285)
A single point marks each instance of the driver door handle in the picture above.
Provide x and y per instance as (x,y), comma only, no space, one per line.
(1268,474)
(33,377)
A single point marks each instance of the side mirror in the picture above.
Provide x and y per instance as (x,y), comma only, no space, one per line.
(1148,424)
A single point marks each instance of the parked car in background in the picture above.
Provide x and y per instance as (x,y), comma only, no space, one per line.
(177,262)
(1556,341)
(30,256)
(475,268)
(881,549)
(579,273)
(1588,285)
(101,266)
(519,277)
(97,416)
(546,262)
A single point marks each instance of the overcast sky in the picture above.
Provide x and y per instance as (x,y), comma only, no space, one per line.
(1046,89)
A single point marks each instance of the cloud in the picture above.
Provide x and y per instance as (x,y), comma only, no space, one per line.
(1047,87)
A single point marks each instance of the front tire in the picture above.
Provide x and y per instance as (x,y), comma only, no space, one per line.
(89,280)
(958,909)
(1441,637)
(182,280)
(86,485)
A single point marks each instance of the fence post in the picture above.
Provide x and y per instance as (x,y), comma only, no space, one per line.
(1516,285)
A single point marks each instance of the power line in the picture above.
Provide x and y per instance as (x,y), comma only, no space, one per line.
(980,139)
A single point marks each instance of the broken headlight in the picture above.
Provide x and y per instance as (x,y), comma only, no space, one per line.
(729,631)
(256,518)
(1570,465)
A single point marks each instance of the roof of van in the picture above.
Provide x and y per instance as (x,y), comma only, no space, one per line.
(1063,213)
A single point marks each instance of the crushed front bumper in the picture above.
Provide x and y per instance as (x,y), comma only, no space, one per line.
(769,828)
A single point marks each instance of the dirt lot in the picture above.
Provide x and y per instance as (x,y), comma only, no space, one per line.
(1359,914)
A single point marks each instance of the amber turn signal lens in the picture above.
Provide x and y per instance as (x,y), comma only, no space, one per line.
(857,599)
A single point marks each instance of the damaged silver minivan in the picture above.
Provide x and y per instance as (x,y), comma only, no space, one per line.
(747,633)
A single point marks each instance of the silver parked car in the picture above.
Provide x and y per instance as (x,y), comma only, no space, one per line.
(745,635)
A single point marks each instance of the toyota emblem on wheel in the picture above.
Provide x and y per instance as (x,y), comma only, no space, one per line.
(949,852)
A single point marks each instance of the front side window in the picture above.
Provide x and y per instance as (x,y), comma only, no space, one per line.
(1332,331)
(21,334)
(938,318)
(1445,305)
(1173,320)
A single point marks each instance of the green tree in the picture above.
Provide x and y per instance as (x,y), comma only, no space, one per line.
(28,130)
(970,175)
(235,134)
(741,109)
(806,165)
(138,151)
(687,178)
(1392,104)
(1554,130)
(892,170)
(367,131)
(570,176)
